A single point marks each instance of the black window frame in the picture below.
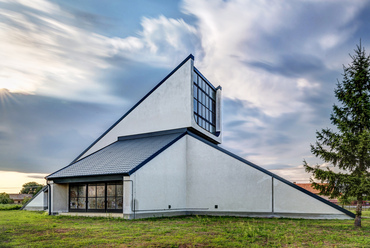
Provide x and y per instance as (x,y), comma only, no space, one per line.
(204,103)
(86,197)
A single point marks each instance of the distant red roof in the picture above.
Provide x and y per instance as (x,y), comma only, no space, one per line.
(19,196)
(308,186)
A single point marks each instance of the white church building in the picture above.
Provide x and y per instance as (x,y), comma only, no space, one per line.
(162,158)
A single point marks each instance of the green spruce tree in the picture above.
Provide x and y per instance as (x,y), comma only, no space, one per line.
(348,147)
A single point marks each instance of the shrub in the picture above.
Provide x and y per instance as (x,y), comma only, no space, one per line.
(5,199)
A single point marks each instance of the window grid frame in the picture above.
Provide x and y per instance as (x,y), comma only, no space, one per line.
(86,197)
(204,104)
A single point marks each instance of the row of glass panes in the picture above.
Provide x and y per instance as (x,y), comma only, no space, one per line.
(204,103)
(78,191)
(204,112)
(96,203)
(96,196)
(205,124)
(198,80)
(77,203)
(96,190)
(206,100)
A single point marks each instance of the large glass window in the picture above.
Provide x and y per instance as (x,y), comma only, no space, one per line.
(204,103)
(77,196)
(114,196)
(99,197)
(96,196)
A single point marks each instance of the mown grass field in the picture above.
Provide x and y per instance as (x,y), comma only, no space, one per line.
(35,229)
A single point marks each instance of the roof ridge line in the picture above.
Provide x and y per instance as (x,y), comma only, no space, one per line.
(345,211)
(151,134)
(73,162)
(137,104)
(157,153)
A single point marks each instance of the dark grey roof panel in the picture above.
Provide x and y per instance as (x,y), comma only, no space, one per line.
(120,157)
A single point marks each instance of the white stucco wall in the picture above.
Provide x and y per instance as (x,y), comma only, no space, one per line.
(168,107)
(215,178)
(290,200)
(162,181)
(127,195)
(59,197)
(37,203)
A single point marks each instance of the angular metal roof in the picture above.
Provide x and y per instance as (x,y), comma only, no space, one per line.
(121,157)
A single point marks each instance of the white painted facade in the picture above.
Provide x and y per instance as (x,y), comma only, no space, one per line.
(215,178)
(58,197)
(170,106)
(38,203)
(195,178)
(162,182)
(192,175)
(289,200)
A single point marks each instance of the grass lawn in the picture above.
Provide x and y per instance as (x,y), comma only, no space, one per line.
(36,229)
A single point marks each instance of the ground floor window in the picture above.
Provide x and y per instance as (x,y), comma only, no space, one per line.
(96,197)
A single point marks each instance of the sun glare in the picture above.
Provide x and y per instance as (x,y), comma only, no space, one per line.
(16,82)
(8,86)
(5,97)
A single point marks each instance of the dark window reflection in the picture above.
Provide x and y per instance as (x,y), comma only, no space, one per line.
(98,197)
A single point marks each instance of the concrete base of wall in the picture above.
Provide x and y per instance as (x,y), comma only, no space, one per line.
(271,215)
(158,214)
(141,215)
(106,215)
(35,208)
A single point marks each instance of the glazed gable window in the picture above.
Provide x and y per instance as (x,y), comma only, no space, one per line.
(204,103)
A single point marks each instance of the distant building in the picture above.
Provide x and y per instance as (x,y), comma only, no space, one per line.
(162,158)
(18,198)
(308,187)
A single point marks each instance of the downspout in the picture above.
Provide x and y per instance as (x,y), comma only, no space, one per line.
(49,199)
(272,195)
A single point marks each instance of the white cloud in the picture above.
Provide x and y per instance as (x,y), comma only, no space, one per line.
(44,51)
(235,32)
(43,54)
(162,42)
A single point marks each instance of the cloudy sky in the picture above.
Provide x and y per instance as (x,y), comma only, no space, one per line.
(69,69)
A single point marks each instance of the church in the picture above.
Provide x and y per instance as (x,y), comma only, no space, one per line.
(162,158)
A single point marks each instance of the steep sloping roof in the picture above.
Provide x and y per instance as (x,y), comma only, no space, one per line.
(124,156)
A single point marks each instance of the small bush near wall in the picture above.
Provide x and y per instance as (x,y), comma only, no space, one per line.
(10,206)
